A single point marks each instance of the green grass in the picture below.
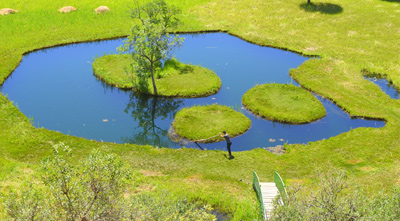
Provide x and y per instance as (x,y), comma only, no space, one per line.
(115,70)
(201,122)
(175,79)
(351,37)
(283,103)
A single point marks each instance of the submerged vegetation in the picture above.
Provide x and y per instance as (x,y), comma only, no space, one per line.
(173,79)
(328,30)
(283,103)
(202,122)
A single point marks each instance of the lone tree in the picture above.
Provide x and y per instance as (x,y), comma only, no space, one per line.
(149,42)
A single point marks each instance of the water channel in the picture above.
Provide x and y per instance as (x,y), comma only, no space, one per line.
(385,86)
(56,88)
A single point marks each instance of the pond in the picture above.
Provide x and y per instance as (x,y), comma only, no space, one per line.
(56,88)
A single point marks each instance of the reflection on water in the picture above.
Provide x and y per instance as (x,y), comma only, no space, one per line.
(145,110)
(57,88)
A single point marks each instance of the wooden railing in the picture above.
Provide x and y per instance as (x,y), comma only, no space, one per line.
(281,187)
(257,188)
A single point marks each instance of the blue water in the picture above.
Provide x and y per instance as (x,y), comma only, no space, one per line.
(57,89)
(385,86)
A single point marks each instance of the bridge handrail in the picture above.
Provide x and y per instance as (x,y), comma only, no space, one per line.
(281,187)
(257,188)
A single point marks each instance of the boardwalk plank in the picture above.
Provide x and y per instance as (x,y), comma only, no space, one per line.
(269,192)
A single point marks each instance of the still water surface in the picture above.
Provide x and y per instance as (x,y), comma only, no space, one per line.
(57,89)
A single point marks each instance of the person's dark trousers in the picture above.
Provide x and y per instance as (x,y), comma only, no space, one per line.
(228,146)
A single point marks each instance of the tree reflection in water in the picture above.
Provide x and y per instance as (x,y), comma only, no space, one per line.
(146,110)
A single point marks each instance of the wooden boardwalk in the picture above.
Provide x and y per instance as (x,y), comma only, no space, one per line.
(269,192)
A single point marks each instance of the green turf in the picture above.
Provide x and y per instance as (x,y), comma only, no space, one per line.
(174,79)
(201,122)
(115,70)
(351,38)
(283,103)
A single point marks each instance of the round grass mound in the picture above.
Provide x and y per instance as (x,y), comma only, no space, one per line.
(283,103)
(201,122)
(112,69)
(175,79)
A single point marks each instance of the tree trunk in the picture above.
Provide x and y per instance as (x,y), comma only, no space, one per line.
(152,78)
(308,1)
(153,116)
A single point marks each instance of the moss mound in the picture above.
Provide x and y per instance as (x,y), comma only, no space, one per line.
(201,122)
(175,79)
(283,103)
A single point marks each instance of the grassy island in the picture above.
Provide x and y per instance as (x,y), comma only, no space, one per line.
(113,69)
(283,103)
(175,79)
(201,122)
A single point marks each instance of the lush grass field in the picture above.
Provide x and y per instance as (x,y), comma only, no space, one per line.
(175,79)
(349,36)
(283,103)
(202,122)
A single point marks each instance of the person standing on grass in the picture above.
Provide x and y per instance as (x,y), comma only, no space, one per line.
(228,141)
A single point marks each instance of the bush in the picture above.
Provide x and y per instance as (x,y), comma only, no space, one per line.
(93,190)
(336,199)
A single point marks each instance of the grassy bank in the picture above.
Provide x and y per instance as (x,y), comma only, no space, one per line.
(174,79)
(349,36)
(283,103)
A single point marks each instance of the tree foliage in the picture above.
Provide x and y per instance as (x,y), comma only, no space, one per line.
(149,41)
(93,190)
(28,205)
